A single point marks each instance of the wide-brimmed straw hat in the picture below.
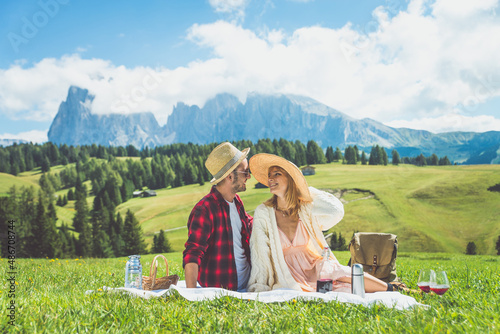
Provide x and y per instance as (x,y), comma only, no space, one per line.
(260,164)
(223,160)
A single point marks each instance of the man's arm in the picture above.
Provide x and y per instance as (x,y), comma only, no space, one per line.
(191,273)
(199,230)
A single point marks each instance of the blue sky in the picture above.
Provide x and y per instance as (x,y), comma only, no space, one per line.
(421,64)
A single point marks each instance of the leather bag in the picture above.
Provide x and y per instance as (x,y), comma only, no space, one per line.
(377,253)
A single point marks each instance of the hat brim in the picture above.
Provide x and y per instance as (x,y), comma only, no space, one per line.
(230,170)
(260,164)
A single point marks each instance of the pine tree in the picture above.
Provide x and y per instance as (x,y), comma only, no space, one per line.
(334,241)
(45,165)
(126,189)
(374,156)
(200,179)
(113,190)
(420,160)
(155,248)
(45,241)
(314,153)
(329,154)
(9,210)
(46,185)
(396,160)
(158,176)
(14,169)
(100,232)
(190,176)
(350,155)
(132,235)
(287,149)
(163,243)
(27,205)
(341,243)
(81,215)
(67,242)
(85,241)
(363,158)
(433,160)
(81,221)
(102,245)
(337,155)
(384,160)
(471,248)
(356,150)
(179,172)
(444,161)
(300,154)
(497,246)
(117,242)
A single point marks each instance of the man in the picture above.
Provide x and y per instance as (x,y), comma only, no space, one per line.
(217,252)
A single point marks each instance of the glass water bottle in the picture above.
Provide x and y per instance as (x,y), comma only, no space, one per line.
(324,283)
(133,272)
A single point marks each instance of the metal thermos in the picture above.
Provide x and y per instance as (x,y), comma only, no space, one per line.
(357,280)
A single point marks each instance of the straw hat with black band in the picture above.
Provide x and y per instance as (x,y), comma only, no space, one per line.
(260,164)
(223,160)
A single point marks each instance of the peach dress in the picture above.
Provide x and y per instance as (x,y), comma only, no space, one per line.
(303,261)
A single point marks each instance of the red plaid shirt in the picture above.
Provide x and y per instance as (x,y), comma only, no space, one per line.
(210,240)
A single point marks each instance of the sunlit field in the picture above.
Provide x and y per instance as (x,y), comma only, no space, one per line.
(50,297)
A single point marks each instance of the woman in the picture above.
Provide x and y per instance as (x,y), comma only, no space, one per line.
(287,239)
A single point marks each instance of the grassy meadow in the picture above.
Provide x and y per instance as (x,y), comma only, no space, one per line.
(50,298)
(435,211)
(431,209)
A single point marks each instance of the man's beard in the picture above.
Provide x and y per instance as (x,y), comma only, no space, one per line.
(238,187)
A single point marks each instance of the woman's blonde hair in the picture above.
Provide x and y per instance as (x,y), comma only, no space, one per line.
(293,198)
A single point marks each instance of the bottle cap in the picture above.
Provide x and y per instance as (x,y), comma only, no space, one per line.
(357,269)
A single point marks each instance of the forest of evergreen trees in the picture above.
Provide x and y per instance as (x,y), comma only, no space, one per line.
(99,231)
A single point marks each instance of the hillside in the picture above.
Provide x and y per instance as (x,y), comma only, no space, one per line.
(432,209)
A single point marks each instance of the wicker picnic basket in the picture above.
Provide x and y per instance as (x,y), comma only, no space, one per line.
(152,282)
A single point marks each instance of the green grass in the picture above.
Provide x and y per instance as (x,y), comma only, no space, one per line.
(7,181)
(50,298)
(432,209)
(437,209)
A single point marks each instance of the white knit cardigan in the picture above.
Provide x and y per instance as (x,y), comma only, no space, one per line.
(269,269)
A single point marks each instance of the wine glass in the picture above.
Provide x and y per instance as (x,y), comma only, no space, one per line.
(424,279)
(439,282)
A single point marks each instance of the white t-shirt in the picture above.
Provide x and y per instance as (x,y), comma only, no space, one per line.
(242,265)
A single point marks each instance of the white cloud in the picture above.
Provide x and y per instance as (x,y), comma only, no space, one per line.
(449,123)
(234,8)
(81,50)
(227,6)
(34,136)
(434,62)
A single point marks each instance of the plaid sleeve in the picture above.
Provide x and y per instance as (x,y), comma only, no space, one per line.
(199,233)
(250,222)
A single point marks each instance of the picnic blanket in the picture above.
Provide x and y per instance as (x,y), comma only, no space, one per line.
(390,299)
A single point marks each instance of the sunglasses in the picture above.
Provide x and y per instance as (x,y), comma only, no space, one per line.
(247,173)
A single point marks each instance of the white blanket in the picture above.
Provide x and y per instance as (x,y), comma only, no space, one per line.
(389,299)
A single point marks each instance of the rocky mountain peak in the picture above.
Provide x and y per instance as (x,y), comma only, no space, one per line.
(274,116)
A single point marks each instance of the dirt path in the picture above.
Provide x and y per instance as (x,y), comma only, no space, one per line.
(339,193)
